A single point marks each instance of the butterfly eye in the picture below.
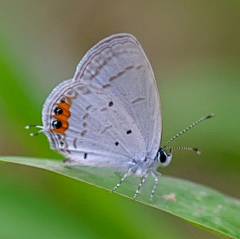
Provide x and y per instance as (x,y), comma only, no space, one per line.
(163,157)
(56,124)
(58,111)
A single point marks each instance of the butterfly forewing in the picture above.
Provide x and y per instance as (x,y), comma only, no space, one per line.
(120,67)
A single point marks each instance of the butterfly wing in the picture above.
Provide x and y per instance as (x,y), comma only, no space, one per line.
(111,107)
(119,65)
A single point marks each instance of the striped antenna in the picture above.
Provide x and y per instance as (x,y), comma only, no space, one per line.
(188,128)
(185,148)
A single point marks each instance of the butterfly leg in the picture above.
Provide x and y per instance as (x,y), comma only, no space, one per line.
(122,179)
(155,174)
(140,184)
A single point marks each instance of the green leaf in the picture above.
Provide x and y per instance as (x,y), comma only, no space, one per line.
(199,205)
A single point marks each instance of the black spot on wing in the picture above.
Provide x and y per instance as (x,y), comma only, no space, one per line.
(58,111)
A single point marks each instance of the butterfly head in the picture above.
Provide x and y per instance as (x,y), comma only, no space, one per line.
(163,158)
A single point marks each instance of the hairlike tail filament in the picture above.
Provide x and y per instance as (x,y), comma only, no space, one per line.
(35,126)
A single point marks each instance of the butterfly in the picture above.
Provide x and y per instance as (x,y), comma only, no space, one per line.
(108,114)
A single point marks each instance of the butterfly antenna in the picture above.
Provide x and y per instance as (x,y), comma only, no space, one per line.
(185,130)
(184,148)
(35,126)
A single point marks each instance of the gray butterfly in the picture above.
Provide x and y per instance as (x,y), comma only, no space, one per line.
(108,114)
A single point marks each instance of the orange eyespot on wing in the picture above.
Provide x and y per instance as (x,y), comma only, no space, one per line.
(65,108)
(62,113)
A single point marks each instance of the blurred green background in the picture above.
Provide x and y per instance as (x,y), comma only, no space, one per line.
(194,49)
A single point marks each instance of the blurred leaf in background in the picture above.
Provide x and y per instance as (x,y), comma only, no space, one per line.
(195,53)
